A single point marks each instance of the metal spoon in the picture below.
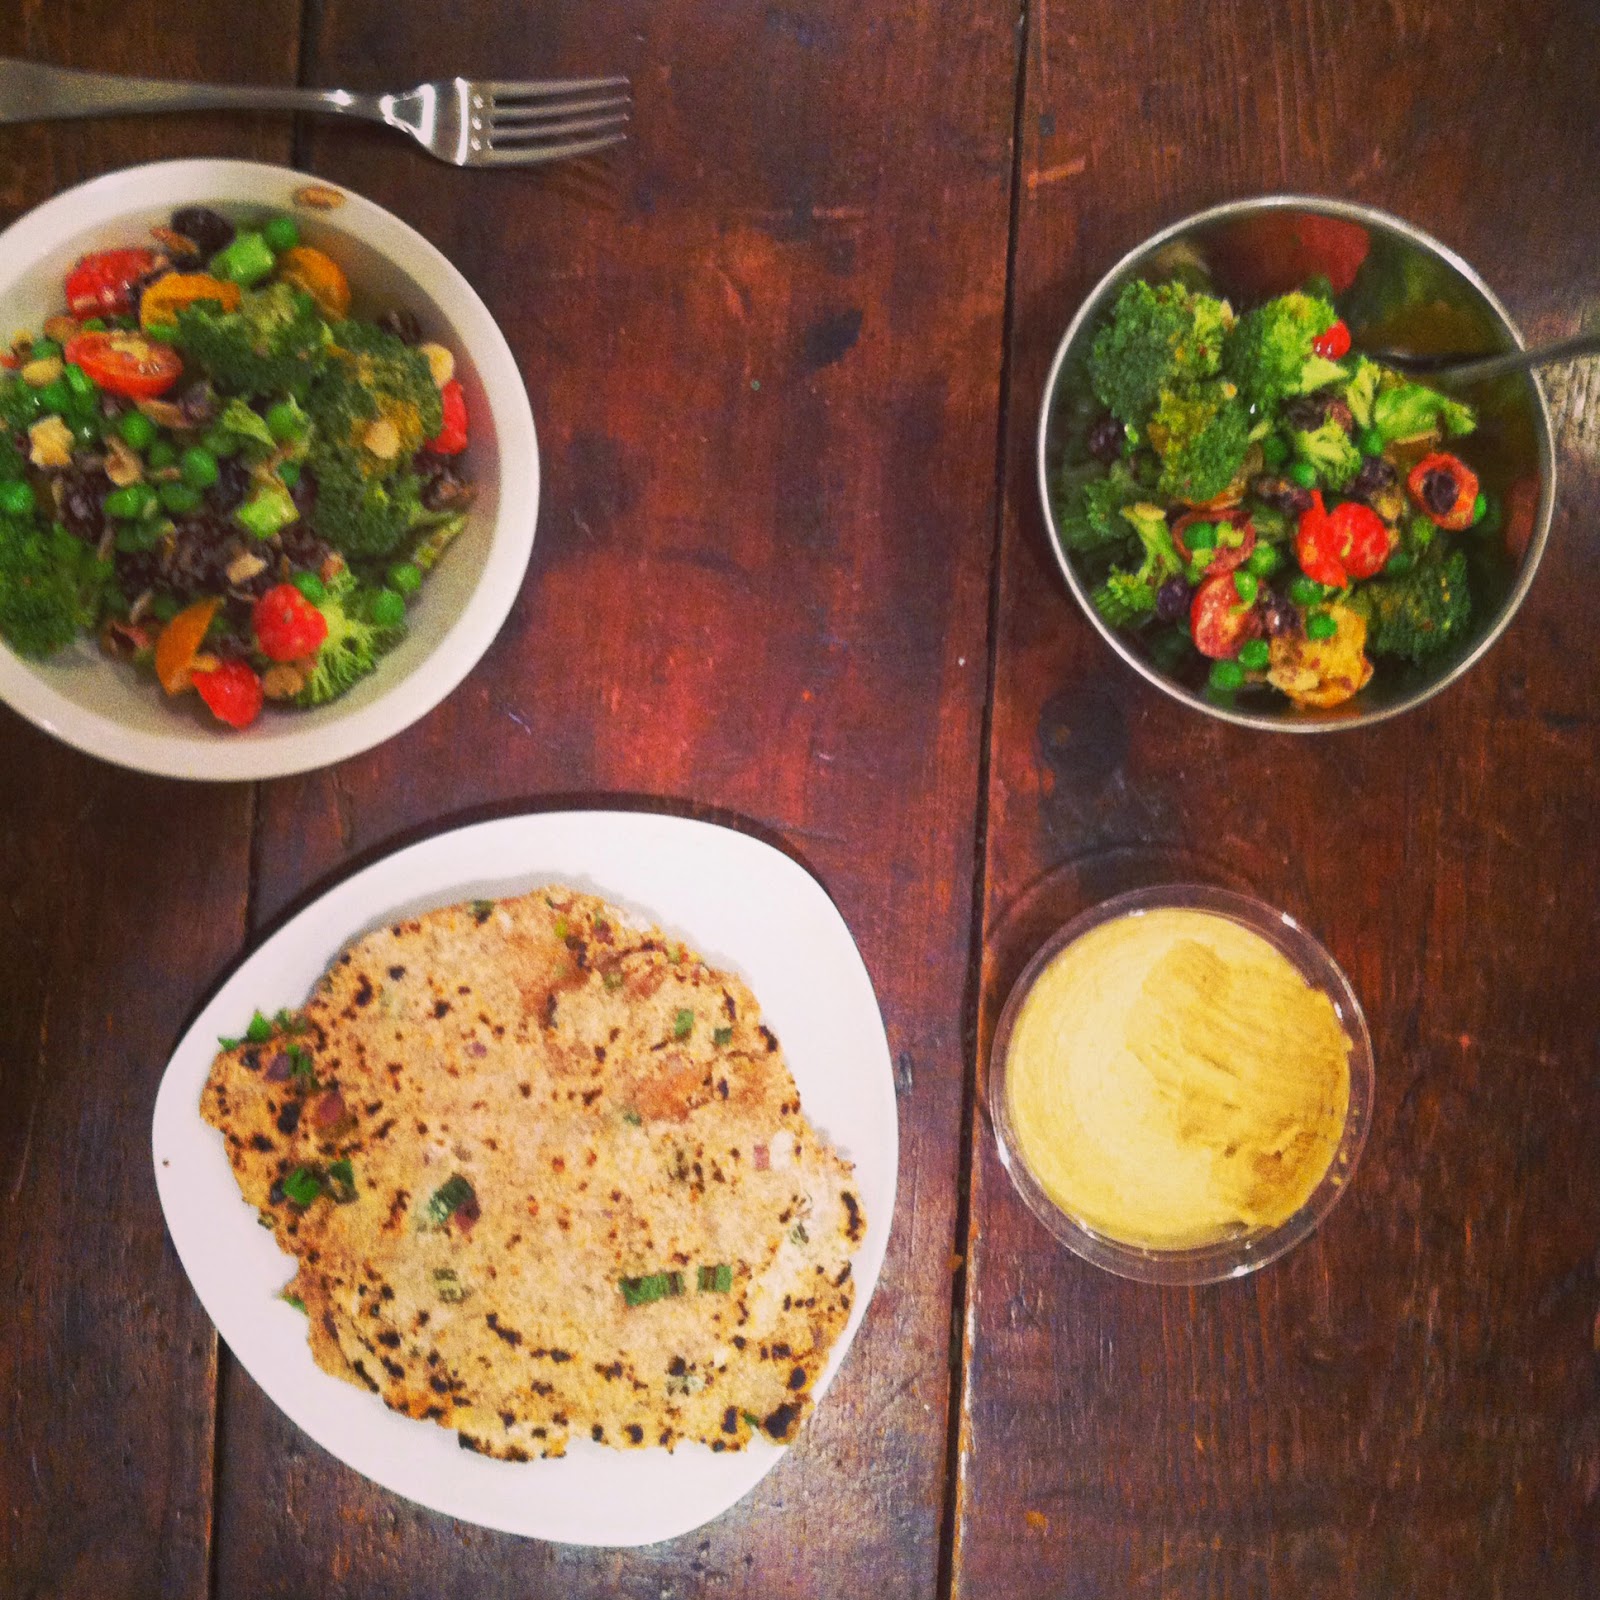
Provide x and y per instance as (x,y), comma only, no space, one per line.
(1458,367)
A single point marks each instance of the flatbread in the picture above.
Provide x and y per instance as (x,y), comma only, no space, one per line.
(556,1180)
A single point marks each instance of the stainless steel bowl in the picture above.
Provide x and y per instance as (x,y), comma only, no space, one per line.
(1396,287)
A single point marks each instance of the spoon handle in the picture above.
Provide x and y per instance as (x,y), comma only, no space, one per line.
(1481,371)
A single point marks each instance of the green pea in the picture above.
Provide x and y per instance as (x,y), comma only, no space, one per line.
(79,381)
(1264,560)
(94,325)
(129,502)
(1226,675)
(288,473)
(1370,442)
(1247,584)
(1321,626)
(1305,591)
(1200,536)
(199,467)
(220,442)
(285,421)
(1492,516)
(1303,473)
(1255,655)
(137,430)
(311,586)
(388,608)
(1480,508)
(162,454)
(281,234)
(406,576)
(54,396)
(178,498)
(1400,563)
(17,499)
(1274,451)
(163,332)
(43,349)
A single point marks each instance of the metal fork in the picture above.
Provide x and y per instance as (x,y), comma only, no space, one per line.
(468,122)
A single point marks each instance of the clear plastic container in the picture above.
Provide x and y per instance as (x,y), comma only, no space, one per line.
(1226,1258)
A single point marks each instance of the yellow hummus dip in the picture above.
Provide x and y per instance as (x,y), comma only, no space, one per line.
(1172,1080)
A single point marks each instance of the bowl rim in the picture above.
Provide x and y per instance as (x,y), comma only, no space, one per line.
(212,757)
(1352,211)
(1226,1259)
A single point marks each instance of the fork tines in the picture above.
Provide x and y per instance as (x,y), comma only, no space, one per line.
(546,120)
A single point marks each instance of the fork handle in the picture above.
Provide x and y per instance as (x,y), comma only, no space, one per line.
(30,92)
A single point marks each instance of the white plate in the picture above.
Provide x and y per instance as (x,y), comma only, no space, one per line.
(742,905)
(120,715)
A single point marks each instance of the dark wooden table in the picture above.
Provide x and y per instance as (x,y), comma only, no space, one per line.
(785,354)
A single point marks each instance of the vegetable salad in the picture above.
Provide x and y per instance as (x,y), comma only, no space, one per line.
(1257,494)
(210,464)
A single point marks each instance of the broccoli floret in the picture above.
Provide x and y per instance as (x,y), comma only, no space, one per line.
(1127,598)
(353,645)
(1417,615)
(1412,411)
(1362,390)
(371,375)
(270,346)
(1330,452)
(1201,432)
(1089,503)
(363,517)
(50,586)
(1269,354)
(1157,336)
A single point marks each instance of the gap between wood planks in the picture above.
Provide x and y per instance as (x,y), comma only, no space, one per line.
(972,1009)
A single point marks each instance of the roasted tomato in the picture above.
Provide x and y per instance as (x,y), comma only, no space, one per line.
(233,692)
(1316,545)
(1219,621)
(1224,557)
(451,439)
(1361,537)
(1445,490)
(1334,343)
(287,626)
(102,285)
(126,363)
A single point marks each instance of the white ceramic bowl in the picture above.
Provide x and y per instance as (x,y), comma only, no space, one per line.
(110,710)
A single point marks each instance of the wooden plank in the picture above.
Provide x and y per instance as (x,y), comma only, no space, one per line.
(1409,1404)
(763,350)
(120,899)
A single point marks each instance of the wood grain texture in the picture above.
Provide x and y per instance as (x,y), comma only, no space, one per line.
(763,348)
(1408,1405)
(120,899)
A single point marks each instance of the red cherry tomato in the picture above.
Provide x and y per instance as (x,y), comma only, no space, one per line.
(451,439)
(232,691)
(1361,537)
(1219,621)
(1333,343)
(1316,545)
(1224,558)
(126,363)
(288,627)
(1442,468)
(102,285)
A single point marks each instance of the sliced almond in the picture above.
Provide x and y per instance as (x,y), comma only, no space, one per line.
(50,443)
(382,438)
(244,567)
(179,244)
(319,197)
(440,363)
(36,374)
(165,414)
(60,328)
(122,466)
(285,679)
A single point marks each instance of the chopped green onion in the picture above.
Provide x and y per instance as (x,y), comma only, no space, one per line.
(562,927)
(612,980)
(642,1291)
(683,1024)
(448,1286)
(632,1118)
(342,1178)
(798,1234)
(259,1031)
(288,1022)
(715,1280)
(482,908)
(300,1064)
(293,1300)
(721,1037)
(448,1199)
(302,1186)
